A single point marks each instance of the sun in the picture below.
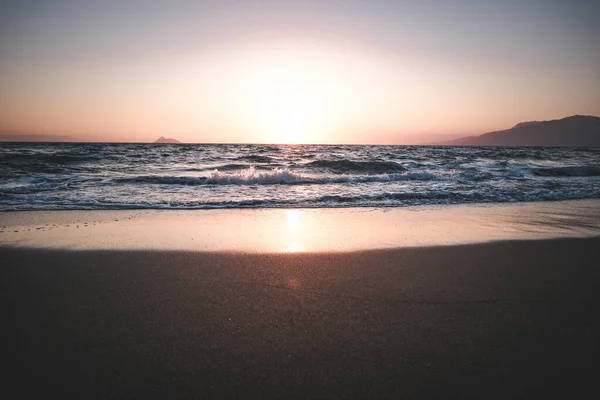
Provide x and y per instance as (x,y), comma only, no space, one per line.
(292,126)
(292,92)
(291,102)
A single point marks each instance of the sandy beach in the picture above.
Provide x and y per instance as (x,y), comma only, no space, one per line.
(299,199)
(500,319)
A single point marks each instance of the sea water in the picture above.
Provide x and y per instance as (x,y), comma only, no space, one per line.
(53,176)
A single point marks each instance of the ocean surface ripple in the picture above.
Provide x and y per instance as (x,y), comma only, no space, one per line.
(58,176)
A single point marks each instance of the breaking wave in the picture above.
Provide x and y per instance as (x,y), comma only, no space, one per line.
(277,176)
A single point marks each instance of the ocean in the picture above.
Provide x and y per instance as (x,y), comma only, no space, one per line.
(82,176)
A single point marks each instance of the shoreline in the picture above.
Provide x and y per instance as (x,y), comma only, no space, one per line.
(464,301)
(299,230)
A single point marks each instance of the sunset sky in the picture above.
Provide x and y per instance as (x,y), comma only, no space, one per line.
(294,71)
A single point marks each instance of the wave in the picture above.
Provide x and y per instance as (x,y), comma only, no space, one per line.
(405,197)
(223,167)
(567,171)
(45,162)
(255,158)
(357,166)
(385,199)
(33,188)
(277,176)
(248,176)
(251,176)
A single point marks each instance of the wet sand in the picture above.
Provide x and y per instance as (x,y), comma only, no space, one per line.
(493,320)
(299,230)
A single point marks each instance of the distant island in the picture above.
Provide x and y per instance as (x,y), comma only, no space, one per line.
(46,138)
(163,139)
(574,131)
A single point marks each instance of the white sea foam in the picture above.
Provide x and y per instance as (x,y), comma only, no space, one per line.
(251,176)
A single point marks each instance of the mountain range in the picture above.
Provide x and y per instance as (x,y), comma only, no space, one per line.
(574,131)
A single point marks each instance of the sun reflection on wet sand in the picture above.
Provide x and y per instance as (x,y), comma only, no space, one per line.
(293,219)
(294,231)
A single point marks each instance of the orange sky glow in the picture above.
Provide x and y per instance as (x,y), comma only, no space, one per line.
(297,74)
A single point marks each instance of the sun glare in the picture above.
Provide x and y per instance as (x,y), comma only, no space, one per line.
(291,102)
(298,92)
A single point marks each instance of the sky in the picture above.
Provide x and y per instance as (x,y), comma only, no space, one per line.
(380,72)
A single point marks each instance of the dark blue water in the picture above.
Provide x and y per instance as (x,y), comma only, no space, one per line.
(40,176)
